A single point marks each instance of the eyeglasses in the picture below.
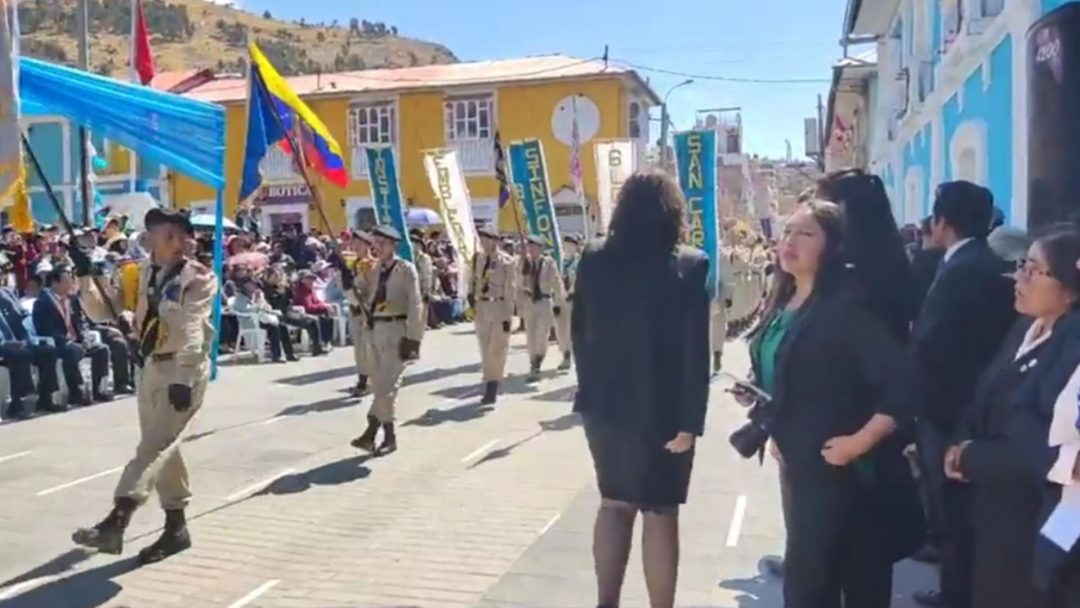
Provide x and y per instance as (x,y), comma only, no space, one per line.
(1026,267)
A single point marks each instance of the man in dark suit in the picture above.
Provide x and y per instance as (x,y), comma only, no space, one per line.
(965,316)
(18,352)
(59,315)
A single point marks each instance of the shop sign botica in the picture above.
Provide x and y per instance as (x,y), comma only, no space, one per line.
(284,194)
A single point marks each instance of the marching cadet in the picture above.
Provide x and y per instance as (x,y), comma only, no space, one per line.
(491,296)
(571,244)
(425,270)
(540,288)
(174,334)
(357,283)
(395,324)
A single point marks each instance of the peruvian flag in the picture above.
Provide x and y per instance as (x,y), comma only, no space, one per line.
(142,57)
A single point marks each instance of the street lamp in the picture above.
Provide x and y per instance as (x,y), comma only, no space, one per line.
(664,123)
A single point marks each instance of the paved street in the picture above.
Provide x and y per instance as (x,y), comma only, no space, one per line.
(481,506)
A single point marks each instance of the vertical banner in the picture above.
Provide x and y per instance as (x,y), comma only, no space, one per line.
(528,172)
(448,183)
(695,155)
(386,193)
(615,163)
(12,170)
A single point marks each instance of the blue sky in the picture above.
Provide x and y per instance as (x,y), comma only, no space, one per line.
(765,39)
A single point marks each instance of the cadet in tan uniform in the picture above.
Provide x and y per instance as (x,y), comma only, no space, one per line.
(540,287)
(174,334)
(719,312)
(396,325)
(357,282)
(571,256)
(491,296)
(425,270)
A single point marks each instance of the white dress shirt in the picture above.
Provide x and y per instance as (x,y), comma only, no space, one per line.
(951,251)
(1063,431)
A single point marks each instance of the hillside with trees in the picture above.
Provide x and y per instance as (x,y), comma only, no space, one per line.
(191,34)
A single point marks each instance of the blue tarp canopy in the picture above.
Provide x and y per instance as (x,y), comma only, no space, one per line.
(180,133)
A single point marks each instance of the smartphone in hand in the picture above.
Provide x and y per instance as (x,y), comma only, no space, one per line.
(746,388)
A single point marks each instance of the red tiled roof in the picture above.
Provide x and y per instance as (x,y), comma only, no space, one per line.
(548,67)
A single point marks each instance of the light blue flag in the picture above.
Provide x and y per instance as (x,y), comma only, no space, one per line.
(528,173)
(695,155)
(386,192)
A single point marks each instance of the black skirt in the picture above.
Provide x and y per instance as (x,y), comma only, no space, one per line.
(634,467)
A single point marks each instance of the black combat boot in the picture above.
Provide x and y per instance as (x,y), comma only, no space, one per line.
(716,363)
(108,536)
(389,442)
(534,369)
(366,441)
(174,539)
(491,393)
(567,358)
(361,387)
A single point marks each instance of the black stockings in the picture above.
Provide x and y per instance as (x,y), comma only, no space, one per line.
(612,538)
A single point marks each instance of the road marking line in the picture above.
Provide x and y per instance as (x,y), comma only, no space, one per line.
(258,485)
(273,420)
(67,485)
(254,594)
(15,455)
(481,450)
(550,523)
(736,521)
(20,588)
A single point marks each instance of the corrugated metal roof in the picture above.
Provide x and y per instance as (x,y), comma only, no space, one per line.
(549,67)
(170,80)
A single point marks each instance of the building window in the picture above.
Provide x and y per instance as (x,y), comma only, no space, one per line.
(370,125)
(913,195)
(967,152)
(952,17)
(991,8)
(470,128)
(635,120)
(278,166)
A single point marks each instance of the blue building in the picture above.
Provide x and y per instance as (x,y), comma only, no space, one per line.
(56,144)
(942,96)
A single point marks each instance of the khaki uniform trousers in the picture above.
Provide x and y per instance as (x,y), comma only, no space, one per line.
(717,326)
(158,462)
(539,319)
(361,337)
(386,367)
(494,340)
(562,328)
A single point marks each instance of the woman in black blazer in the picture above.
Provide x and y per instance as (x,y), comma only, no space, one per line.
(841,384)
(1002,449)
(640,328)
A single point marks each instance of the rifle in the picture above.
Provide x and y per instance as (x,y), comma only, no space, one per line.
(120,322)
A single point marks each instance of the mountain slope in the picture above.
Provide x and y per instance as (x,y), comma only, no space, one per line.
(189,34)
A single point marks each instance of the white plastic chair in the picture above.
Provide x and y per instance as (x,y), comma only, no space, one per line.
(341,323)
(251,337)
(5,391)
(305,341)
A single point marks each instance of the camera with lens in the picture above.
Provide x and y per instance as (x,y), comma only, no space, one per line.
(750,438)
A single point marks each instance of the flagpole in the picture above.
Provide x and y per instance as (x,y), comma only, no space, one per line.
(82,19)
(579,182)
(134,75)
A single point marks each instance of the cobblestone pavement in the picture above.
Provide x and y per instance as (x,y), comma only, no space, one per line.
(481,506)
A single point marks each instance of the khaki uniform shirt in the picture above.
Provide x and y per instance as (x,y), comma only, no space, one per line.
(402,296)
(550,280)
(494,282)
(425,271)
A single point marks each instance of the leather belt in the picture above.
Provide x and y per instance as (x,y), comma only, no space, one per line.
(393,318)
(486,299)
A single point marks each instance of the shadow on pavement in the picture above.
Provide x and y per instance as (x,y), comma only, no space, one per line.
(57,565)
(336,473)
(333,373)
(318,407)
(84,589)
(761,591)
(461,413)
(432,375)
(562,423)
(562,395)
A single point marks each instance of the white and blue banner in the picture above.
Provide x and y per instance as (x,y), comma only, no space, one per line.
(386,194)
(528,173)
(695,155)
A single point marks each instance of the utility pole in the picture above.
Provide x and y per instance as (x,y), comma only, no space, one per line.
(664,124)
(82,23)
(821,134)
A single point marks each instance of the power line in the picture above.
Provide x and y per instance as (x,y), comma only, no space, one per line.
(726,78)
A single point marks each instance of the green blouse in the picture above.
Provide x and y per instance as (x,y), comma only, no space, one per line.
(769,346)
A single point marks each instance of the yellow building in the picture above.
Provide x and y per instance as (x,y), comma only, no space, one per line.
(414,109)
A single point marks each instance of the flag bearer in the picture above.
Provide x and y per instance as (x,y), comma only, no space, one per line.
(357,281)
(425,270)
(174,335)
(540,288)
(491,296)
(571,244)
(396,325)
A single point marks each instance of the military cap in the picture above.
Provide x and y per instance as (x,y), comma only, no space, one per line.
(159,217)
(535,239)
(416,234)
(362,236)
(388,232)
(488,232)
(572,238)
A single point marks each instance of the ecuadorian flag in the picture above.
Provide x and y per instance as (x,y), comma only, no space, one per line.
(275,110)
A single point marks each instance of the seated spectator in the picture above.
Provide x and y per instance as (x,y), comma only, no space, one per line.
(250,300)
(18,353)
(279,296)
(59,315)
(307,297)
